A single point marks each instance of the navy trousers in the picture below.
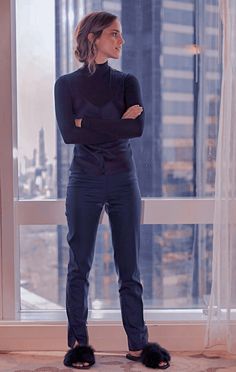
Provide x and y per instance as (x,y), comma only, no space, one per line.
(86,196)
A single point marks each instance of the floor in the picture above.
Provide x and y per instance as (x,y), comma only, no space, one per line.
(113,362)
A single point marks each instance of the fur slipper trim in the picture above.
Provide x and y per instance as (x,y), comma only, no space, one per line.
(133,358)
(153,355)
(80,354)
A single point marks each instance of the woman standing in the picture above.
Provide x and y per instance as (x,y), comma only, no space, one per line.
(98,109)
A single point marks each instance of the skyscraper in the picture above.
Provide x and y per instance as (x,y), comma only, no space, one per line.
(42,154)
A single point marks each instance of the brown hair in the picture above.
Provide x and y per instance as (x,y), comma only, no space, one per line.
(85,50)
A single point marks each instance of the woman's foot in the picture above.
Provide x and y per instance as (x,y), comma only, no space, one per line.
(136,353)
(155,356)
(81,365)
(152,355)
(80,357)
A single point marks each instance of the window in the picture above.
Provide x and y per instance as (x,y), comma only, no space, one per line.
(175,156)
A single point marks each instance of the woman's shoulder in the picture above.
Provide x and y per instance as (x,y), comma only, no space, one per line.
(69,76)
(120,73)
(127,77)
(68,81)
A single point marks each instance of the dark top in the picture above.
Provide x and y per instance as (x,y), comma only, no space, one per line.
(102,143)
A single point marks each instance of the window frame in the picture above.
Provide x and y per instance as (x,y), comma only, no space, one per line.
(169,324)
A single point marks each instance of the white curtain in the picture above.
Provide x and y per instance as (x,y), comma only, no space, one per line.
(221,323)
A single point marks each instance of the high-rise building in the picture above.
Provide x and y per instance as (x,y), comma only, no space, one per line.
(42,154)
(171,46)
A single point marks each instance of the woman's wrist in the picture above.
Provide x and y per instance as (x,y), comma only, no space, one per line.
(78,123)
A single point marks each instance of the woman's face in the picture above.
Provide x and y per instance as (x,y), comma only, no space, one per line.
(109,44)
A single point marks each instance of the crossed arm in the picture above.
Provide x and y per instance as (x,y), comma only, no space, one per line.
(89,130)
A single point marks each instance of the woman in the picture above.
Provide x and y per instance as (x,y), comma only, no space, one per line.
(98,109)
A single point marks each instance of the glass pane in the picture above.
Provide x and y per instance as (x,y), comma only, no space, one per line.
(175,263)
(178,65)
(35,62)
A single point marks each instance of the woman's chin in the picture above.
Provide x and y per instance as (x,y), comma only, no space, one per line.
(116,55)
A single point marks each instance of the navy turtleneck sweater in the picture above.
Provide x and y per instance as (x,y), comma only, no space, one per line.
(102,143)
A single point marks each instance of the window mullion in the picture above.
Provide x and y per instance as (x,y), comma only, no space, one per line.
(8,257)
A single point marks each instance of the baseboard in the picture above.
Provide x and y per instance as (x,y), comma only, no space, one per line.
(103,336)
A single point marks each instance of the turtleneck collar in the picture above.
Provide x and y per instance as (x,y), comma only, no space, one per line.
(100,67)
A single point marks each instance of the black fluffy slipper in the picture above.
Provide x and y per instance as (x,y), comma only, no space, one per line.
(152,356)
(80,357)
(134,358)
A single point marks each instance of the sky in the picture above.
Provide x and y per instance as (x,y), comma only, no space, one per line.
(35,41)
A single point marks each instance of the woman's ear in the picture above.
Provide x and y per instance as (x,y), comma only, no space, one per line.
(90,37)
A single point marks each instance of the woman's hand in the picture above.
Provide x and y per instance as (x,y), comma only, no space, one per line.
(78,122)
(133,112)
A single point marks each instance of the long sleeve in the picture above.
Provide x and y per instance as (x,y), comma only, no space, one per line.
(122,128)
(65,119)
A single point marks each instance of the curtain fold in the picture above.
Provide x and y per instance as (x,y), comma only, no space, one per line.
(221,322)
